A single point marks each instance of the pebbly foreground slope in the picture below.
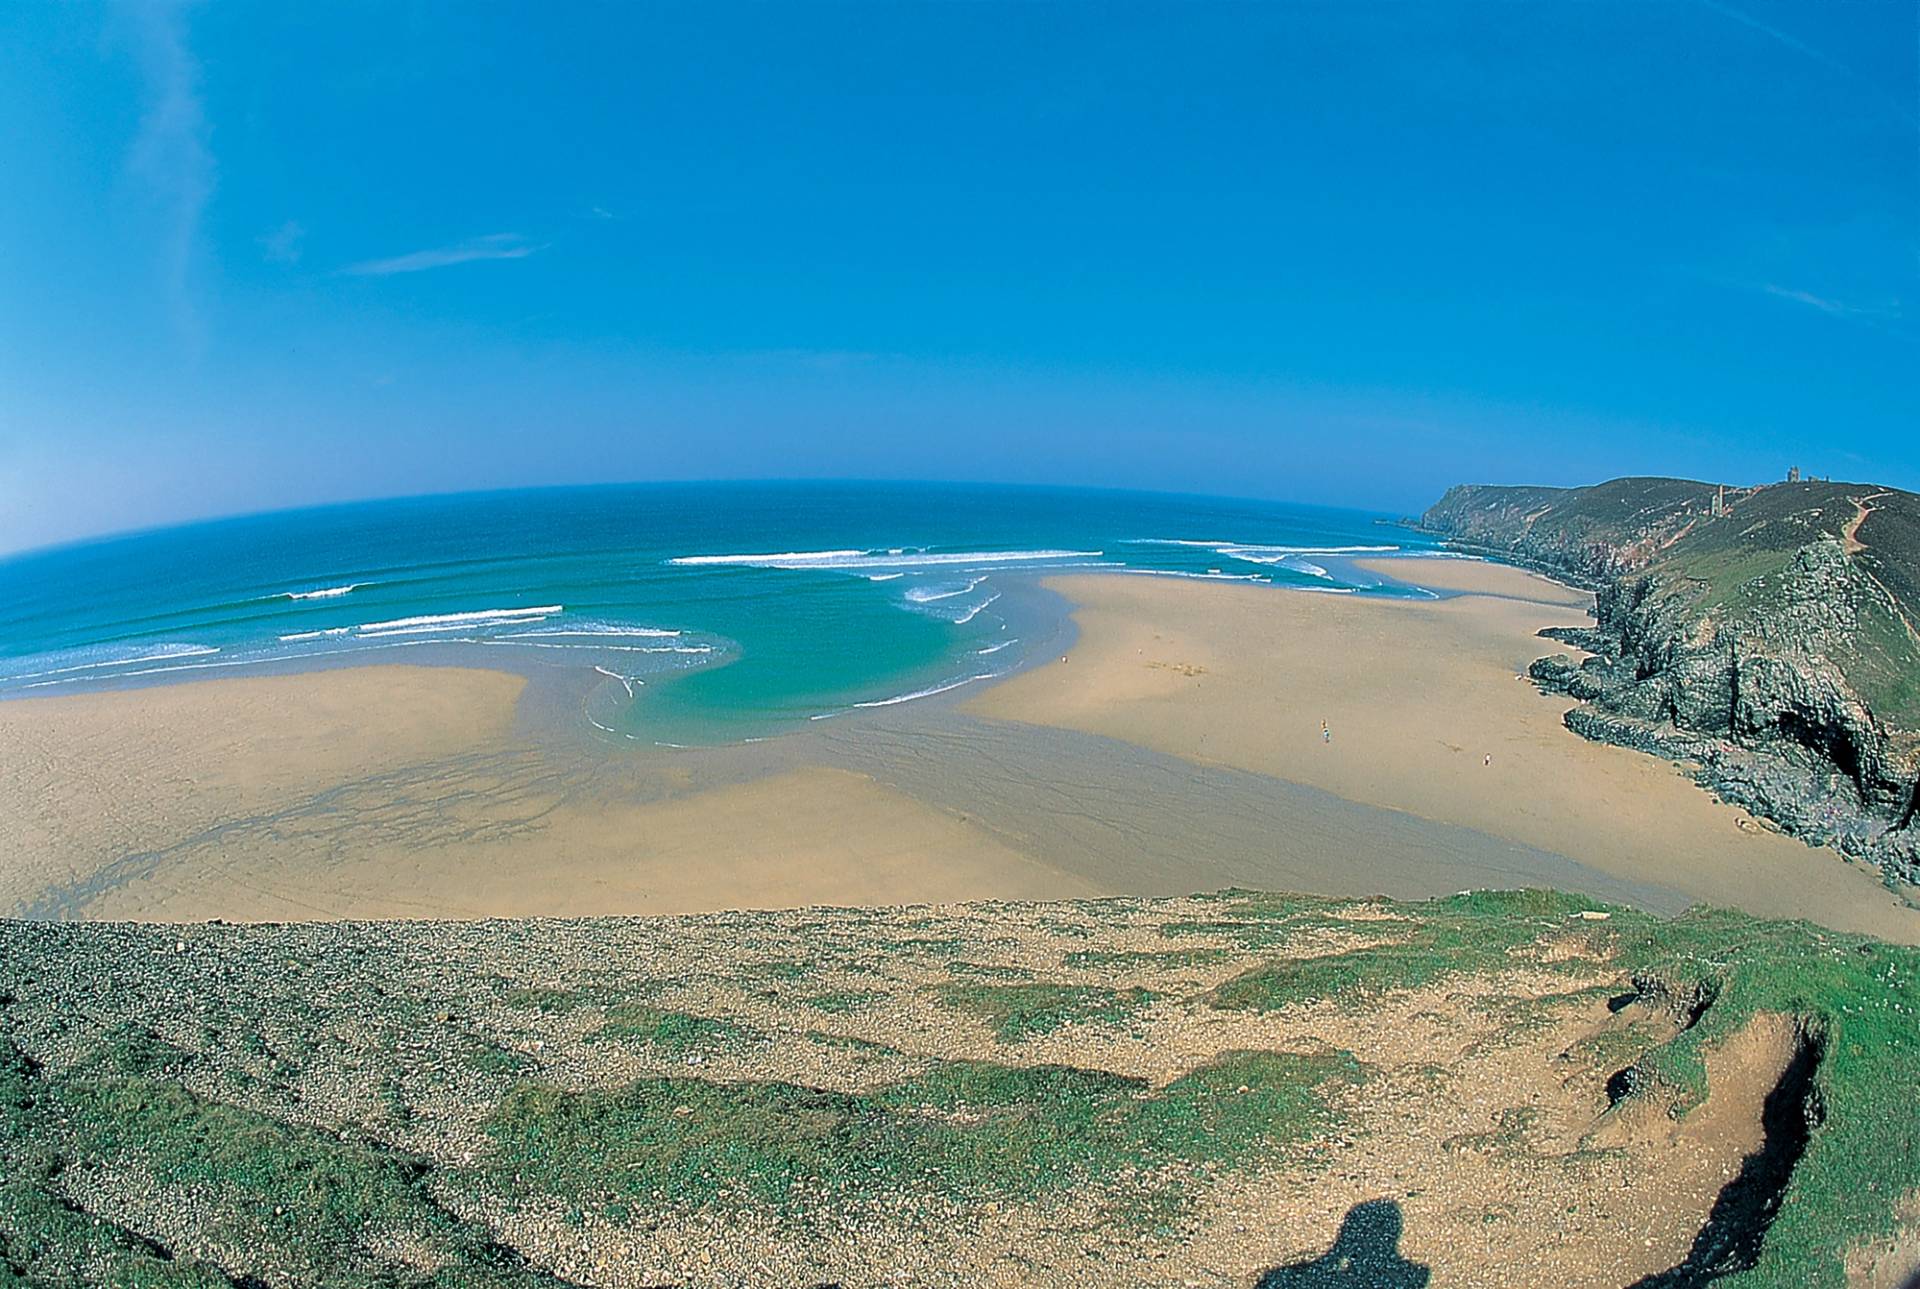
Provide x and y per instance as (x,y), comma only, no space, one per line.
(1766,635)
(1241,1089)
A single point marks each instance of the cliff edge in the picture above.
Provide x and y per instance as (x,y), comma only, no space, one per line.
(1767,636)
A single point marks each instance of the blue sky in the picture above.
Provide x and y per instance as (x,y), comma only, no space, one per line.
(254,256)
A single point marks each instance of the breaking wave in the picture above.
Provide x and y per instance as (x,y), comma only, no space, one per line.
(862,559)
(327,592)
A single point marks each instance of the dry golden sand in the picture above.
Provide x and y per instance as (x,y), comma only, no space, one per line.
(89,778)
(1418,694)
(406,791)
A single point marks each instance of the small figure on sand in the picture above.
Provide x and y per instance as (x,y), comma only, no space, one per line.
(1326,733)
(1489,758)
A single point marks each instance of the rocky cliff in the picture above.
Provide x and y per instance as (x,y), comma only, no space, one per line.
(1766,636)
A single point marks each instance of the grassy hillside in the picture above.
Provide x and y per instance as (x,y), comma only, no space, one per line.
(1110,1092)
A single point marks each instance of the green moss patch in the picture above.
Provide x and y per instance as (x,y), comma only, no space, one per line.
(1475,933)
(963,1130)
(673,1030)
(1017,1012)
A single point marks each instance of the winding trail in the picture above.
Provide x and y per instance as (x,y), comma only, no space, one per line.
(1863,506)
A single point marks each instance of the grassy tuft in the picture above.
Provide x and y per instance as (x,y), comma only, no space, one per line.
(1017,1012)
(965,1130)
(1473,933)
(669,1029)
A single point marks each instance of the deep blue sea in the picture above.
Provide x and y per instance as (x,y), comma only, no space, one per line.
(706,612)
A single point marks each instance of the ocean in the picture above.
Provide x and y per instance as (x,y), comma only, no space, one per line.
(703,613)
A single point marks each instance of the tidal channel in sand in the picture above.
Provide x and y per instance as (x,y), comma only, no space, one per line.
(1178,748)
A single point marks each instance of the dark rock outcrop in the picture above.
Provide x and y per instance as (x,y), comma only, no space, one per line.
(1763,636)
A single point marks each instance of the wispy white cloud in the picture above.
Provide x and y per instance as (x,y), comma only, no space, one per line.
(282,245)
(1838,308)
(494,246)
(1802,48)
(171,155)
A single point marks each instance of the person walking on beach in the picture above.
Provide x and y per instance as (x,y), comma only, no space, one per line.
(1326,734)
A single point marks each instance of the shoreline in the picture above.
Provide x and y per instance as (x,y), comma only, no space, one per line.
(1418,696)
(1005,790)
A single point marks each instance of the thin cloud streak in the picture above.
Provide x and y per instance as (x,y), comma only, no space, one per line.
(1836,308)
(1818,56)
(1833,307)
(494,246)
(170,152)
(1728,11)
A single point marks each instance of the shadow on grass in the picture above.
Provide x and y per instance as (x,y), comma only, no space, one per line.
(1365,1255)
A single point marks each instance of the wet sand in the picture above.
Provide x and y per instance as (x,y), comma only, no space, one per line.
(402,792)
(91,778)
(1418,695)
(1178,750)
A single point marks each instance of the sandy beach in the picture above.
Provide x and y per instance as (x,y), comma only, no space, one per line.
(1429,713)
(415,792)
(400,792)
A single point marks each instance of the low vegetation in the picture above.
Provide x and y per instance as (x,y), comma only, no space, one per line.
(453,1105)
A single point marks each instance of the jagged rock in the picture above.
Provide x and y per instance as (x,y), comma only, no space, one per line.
(1762,635)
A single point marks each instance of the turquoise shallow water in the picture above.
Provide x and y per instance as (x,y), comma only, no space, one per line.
(709,612)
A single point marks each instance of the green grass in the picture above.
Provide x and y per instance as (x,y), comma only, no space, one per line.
(1859,998)
(676,1031)
(1257,920)
(843,1000)
(1162,959)
(1016,1012)
(776,969)
(1461,935)
(967,1131)
(292,1203)
(295,1203)
(1886,668)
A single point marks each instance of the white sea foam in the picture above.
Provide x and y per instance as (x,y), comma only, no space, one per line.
(1199,577)
(974,612)
(928,594)
(788,559)
(441,623)
(998,647)
(883,577)
(252,661)
(594,632)
(1287,554)
(627,682)
(596,648)
(858,560)
(476,617)
(1254,550)
(608,729)
(155,653)
(897,699)
(1308,567)
(314,635)
(327,592)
